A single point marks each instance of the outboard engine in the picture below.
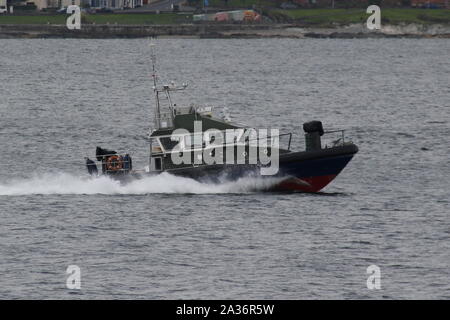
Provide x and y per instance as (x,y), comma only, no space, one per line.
(101,154)
(112,162)
(313,132)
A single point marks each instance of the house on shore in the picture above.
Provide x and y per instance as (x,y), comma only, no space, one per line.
(108,4)
(115,4)
(430,3)
(44,4)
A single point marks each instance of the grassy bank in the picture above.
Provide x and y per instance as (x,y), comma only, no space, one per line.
(313,17)
(56,19)
(119,18)
(347,16)
(149,18)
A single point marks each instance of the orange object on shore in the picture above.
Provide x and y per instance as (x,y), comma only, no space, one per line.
(249,15)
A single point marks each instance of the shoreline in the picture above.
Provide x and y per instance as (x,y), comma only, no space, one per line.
(220,31)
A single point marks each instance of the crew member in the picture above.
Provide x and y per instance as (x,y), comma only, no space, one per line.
(91,167)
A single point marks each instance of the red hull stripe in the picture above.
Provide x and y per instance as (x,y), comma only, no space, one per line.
(310,184)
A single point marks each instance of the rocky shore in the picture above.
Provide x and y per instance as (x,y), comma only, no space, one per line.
(92,31)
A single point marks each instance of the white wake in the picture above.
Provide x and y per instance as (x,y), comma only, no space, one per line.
(64,183)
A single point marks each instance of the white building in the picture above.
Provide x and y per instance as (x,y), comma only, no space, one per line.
(66,3)
(3,7)
(115,4)
(43,4)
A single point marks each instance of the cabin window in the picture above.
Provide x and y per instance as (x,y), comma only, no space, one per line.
(158,164)
(156,147)
(193,141)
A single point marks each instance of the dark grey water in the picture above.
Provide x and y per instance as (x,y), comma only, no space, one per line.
(167,237)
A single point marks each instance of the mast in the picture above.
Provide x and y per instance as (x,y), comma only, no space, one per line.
(155,89)
(166,89)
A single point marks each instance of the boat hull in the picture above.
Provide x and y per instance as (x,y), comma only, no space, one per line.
(312,171)
(306,171)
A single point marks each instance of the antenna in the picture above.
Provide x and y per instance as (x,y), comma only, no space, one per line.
(153,57)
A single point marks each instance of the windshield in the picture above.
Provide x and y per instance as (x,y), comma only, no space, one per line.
(168,143)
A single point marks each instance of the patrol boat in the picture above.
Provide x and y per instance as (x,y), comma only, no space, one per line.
(190,141)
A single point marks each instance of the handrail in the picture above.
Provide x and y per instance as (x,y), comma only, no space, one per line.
(280,135)
(332,131)
(203,147)
(112,154)
(342,131)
